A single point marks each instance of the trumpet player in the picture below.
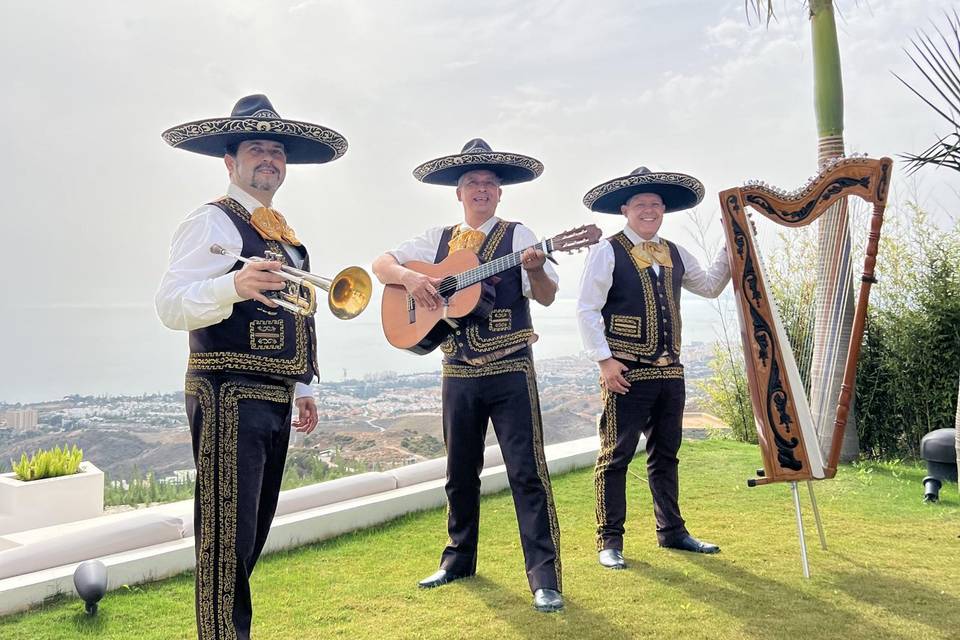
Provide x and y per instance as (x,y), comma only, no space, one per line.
(250,359)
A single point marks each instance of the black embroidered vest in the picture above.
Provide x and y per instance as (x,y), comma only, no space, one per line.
(642,313)
(509,325)
(256,339)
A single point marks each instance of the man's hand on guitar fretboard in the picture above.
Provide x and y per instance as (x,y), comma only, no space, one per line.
(533,259)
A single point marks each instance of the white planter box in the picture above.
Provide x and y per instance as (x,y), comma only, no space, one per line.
(41,503)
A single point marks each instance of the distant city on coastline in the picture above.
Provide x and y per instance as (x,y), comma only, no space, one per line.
(377,421)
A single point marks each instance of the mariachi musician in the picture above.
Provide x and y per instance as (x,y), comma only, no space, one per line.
(250,359)
(488,372)
(629,317)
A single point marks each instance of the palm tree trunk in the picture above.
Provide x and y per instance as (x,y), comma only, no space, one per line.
(834,296)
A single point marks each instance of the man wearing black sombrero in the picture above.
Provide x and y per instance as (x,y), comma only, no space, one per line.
(488,372)
(250,360)
(629,317)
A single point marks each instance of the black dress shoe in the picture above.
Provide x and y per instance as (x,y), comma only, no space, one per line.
(547,600)
(611,559)
(439,579)
(689,543)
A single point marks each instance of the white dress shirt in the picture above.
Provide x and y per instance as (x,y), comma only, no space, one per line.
(424,248)
(597,279)
(198,290)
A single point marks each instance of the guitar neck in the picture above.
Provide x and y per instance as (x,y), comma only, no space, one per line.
(492,268)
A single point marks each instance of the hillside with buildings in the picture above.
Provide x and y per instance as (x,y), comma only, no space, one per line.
(382,421)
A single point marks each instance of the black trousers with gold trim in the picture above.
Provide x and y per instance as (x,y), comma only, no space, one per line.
(240,427)
(503,392)
(653,407)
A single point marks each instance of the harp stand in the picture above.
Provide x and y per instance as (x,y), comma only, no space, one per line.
(803,541)
(816,515)
(804,562)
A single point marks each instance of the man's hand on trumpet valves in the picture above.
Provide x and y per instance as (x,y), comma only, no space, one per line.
(255,278)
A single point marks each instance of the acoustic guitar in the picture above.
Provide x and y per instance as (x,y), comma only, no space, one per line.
(463,290)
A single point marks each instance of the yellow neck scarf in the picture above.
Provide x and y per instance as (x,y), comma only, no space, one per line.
(271,225)
(649,253)
(466,239)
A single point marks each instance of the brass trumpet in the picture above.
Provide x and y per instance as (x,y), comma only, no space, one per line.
(348,292)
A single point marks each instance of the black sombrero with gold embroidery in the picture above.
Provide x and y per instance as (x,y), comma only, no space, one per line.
(678,190)
(477,155)
(254,118)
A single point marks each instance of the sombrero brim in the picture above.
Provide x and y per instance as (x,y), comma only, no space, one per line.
(511,168)
(305,143)
(678,191)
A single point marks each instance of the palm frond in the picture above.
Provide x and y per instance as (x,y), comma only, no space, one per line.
(945,152)
(762,10)
(937,58)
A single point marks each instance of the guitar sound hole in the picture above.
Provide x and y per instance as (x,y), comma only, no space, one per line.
(448,286)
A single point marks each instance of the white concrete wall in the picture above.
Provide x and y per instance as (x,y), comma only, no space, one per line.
(290,530)
(41,503)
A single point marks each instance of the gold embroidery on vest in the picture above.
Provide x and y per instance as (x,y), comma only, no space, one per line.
(496,235)
(449,346)
(477,342)
(483,345)
(625,325)
(266,334)
(673,308)
(239,361)
(649,347)
(500,320)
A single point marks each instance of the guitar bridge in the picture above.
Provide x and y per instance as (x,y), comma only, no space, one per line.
(450,321)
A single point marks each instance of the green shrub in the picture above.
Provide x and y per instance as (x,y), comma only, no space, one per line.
(728,396)
(908,367)
(48,463)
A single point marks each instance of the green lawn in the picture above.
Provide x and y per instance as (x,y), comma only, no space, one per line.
(892,571)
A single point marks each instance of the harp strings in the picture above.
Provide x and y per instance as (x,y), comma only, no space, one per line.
(789,256)
(812,296)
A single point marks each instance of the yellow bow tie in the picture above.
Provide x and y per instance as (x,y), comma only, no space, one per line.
(649,253)
(466,239)
(271,225)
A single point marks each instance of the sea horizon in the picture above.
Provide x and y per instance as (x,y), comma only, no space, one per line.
(123,349)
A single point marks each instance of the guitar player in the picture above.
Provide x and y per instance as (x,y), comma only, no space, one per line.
(488,371)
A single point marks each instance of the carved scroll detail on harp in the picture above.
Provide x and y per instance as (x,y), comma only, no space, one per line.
(788,444)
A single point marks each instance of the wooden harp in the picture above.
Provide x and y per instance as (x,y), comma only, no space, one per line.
(789,446)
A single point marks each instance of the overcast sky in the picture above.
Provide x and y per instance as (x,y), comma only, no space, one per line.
(593,89)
